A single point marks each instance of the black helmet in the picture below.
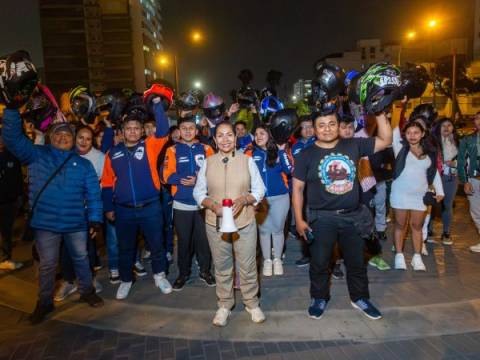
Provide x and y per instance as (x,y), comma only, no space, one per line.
(135,107)
(427,111)
(114,101)
(379,87)
(18,78)
(41,108)
(282,125)
(328,83)
(246,97)
(187,101)
(414,81)
(82,104)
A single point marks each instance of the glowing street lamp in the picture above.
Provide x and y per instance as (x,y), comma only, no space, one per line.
(197,85)
(432,23)
(196,37)
(411,35)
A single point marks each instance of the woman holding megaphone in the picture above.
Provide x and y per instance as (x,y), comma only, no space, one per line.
(229,185)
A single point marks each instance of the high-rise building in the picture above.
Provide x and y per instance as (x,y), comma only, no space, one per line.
(100,43)
(302,89)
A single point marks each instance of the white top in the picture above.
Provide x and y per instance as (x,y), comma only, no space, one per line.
(185,207)
(257,187)
(97,158)
(410,187)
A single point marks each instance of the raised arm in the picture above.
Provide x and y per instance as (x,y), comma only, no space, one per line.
(14,138)
(384,133)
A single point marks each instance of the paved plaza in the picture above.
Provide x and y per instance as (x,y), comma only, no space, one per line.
(430,315)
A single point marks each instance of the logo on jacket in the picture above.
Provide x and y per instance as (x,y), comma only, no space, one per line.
(337,173)
(139,153)
(199,159)
(117,155)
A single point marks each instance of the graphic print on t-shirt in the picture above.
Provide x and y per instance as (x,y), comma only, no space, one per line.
(337,173)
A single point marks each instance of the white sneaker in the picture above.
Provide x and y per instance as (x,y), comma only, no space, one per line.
(65,290)
(475,248)
(10,265)
(221,317)
(98,287)
(162,283)
(267,267)
(123,290)
(417,263)
(277,267)
(400,262)
(257,314)
(424,249)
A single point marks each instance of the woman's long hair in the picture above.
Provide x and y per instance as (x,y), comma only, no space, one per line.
(272,150)
(424,143)
(437,131)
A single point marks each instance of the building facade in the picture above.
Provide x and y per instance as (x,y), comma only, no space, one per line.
(302,89)
(100,43)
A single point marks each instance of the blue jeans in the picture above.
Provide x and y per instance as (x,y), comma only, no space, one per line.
(128,221)
(112,246)
(66,261)
(450,185)
(167,203)
(48,248)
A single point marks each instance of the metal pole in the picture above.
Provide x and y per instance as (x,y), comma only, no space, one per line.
(176,74)
(454,84)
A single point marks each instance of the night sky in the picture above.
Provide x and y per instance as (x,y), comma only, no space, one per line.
(286,35)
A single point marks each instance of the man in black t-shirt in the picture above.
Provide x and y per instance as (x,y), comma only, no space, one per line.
(328,169)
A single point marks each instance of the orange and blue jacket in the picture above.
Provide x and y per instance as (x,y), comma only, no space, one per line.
(181,161)
(130,175)
(276,177)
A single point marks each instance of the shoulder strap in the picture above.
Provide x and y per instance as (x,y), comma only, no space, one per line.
(49,180)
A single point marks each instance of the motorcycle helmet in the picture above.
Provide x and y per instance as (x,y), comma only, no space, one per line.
(114,101)
(328,83)
(18,79)
(163,91)
(214,108)
(349,76)
(42,108)
(270,105)
(282,125)
(82,104)
(247,97)
(187,101)
(427,111)
(379,87)
(414,81)
(135,107)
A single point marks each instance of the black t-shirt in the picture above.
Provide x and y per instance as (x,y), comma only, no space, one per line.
(331,174)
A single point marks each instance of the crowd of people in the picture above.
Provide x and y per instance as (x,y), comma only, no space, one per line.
(116,165)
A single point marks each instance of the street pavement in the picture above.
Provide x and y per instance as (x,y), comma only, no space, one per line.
(430,315)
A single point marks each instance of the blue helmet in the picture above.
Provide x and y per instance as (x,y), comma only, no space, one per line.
(269,106)
(349,76)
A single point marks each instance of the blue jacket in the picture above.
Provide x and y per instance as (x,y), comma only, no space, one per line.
(275,178)
(130,176)
(181,161)
(72,199)
(301,145)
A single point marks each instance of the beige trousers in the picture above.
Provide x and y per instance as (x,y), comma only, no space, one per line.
(244,246)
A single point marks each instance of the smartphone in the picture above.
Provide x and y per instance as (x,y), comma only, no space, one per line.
(309,236)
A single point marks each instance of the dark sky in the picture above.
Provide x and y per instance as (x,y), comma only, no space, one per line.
(287,35)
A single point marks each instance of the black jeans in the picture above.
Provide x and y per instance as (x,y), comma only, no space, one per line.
(192,238)
(7,219)
(329,228)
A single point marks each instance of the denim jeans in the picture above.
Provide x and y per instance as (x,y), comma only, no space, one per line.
(112,245)
(450,185)
(128,221)
(48,247)
(381,206)
(66,261)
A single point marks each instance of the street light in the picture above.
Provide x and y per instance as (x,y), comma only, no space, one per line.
(196,37)
(197,85)
(432,24)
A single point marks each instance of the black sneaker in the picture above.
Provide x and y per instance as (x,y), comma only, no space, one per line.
(40,312)
(208,279)
(337,272)
(180,282)
(92,299)
(303,261)
(114,277)
(317,308)
(365,306)
(139,270)
(381,235)
(446,239)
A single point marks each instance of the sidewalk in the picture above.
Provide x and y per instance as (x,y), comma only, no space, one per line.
(426,315)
